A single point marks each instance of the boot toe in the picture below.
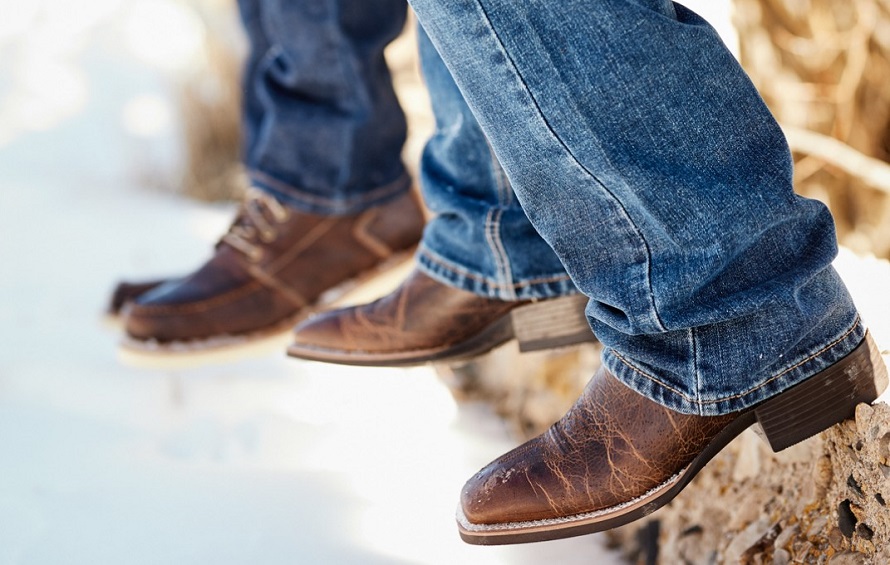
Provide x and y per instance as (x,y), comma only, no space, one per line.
(163,315)
(323,331)
(125,292)
(145,321)
(510,489)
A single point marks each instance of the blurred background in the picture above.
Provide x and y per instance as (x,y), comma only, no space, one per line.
(119,140)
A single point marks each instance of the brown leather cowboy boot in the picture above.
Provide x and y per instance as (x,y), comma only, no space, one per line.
(273,267)
(424,320)
(617,456)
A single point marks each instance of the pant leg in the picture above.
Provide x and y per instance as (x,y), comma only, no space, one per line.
(479,238)
(323,129)
(644,156)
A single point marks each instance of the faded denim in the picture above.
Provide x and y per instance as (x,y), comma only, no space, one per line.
(324,133)
(642,153)
(480,239)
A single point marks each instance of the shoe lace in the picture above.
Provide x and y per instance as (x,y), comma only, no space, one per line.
(256,224)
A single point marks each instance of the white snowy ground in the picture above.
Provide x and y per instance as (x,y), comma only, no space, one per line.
(262,461)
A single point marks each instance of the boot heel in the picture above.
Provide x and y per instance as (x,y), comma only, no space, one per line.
(825,399)
(551,323)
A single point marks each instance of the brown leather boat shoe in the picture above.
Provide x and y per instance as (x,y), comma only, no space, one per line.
(617,456)
(273,267)
(424,320)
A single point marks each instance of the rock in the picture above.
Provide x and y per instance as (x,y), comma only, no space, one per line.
(785,536)
(822,475)
(747,464)
(803,552)
(836,539)
(827,507)
(847,559)
(747,543)
(781,557)
(817,526)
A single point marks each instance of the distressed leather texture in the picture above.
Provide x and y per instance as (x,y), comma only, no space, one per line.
(421,314)
(613,446)
(295,262)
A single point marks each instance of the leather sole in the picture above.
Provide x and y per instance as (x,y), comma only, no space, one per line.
(825,399)
(231,347)
(546,324)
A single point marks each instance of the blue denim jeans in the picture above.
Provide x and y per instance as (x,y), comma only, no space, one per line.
(479,238)
(644,156)
(323,130)
(324,133)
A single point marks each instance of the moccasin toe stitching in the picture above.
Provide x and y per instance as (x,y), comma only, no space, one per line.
(307,261)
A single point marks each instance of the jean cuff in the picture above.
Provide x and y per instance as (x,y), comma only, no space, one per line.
(523,288)
(337,205)
(798,369)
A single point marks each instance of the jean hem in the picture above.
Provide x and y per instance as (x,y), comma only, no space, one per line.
(344,205)
(802,368)
(533,287)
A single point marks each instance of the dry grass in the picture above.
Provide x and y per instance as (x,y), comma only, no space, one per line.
(823,67)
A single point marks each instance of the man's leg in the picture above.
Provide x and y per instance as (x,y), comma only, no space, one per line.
(323,130)
(483,274)
(646,159)
(479,238)
(330,202)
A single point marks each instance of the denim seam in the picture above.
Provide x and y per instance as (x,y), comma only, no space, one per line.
(426,253)
(271,53)
(693,343)
(297,193)
(505,192)
(501,259)
(657,382)
(505,52)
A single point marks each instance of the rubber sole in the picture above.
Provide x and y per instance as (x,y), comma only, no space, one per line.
(825,399)
(216,350)
(546,324)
